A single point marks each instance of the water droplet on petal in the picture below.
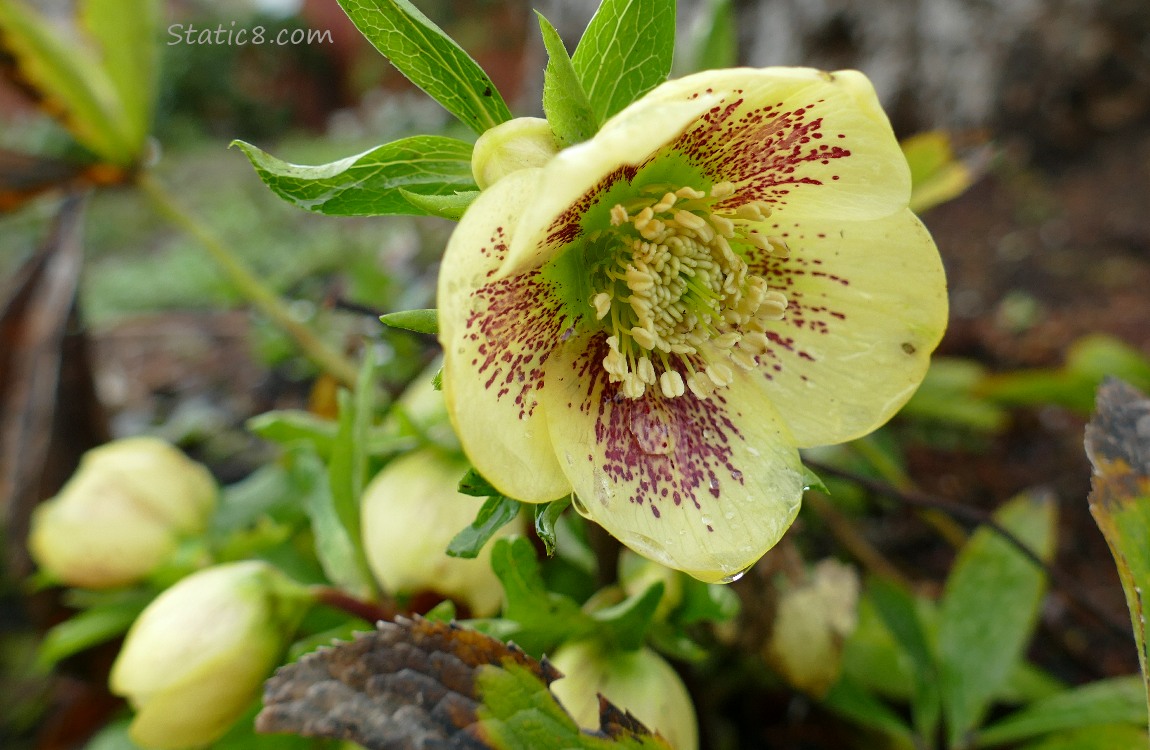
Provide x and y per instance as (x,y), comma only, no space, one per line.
(736,475)
(714,484)
(735,576)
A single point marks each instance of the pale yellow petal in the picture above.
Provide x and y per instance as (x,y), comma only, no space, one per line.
(702,486)
(496,336)
(866,306)
(804,140)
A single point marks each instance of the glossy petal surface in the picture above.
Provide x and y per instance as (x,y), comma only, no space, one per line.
(700,485)
(497,335)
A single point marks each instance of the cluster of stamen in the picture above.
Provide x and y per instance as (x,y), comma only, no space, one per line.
(675,293)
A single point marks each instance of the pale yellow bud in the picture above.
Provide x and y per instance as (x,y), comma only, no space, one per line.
(812,625)
(516,144)
(121,514)
(410,512)
(197,656)
(640,681)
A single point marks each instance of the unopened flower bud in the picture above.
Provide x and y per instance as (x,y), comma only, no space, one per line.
(639,681)
(511,146)
(811,627)
(410,512)
(197,656)
(121,514)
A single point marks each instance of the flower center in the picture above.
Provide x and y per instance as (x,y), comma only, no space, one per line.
(674,293)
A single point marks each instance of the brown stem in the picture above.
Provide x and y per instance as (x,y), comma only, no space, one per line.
(368,611)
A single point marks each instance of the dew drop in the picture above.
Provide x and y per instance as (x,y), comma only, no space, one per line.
(729,515)
(752,451)
(714,484)
(736,475)
(735,576)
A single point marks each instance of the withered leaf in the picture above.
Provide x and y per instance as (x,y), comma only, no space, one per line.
(1118,444)
(424,685)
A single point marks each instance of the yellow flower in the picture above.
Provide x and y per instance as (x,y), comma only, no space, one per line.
(660,317)
(121,514)
(196,657)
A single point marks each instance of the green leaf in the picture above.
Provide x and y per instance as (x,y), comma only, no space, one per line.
(430,59)
(77,89)
(444,206)
(565,102)
(625,625)
(373,183)
(625,52)
(1119,449)
(475,485)
(848,698)
(287,426)
(108,619)
(1120,700)
(988,610)
(419,321)
(950,393)
(713,40)
(535,618)
(546,516)
(497,511)
(338,551)
(706,602)
(126,32)
(1119,737)
(899,612)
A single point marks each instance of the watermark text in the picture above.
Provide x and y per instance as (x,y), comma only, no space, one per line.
(239,36)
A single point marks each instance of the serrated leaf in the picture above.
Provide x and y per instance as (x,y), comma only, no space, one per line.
(1120,700)
(414,684)
(625,52)
(75,87)
(372,183)
(533,617)
(444,206)
(418,321)
(546,516)
(565,102)
(989,608)
(1118,444)
(430,59)
(495,513)
(126,33)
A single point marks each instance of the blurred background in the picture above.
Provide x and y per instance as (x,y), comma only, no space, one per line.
(1046,104)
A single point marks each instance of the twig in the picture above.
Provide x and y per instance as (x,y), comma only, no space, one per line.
(976,516)
(249,285)
(345,602)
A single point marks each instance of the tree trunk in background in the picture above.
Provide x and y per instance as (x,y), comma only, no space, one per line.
(1057,71)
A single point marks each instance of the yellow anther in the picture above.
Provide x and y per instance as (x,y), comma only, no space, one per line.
(671,383)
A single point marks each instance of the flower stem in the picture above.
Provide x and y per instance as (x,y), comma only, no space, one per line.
(248,285)
(345,602)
